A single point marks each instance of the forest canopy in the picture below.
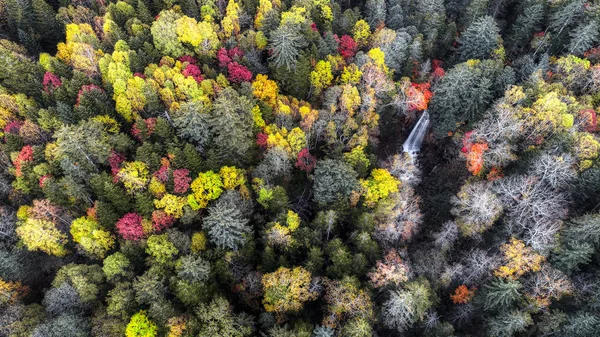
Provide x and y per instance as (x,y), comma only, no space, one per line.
(234,168)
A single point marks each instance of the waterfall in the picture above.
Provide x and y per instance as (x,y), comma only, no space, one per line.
(412,145)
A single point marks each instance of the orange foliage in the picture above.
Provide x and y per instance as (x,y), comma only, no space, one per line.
(462,294)
(475,158)
(11,292)
(418,96)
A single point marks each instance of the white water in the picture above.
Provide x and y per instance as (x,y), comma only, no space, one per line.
(412,145)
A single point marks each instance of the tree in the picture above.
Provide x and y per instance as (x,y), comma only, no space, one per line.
(92,237)
(519,259)
(141,326)
(392,270)
(583,37)
(62,326)
(321,77)
(116,266)
(207,187)
(380,185)
(86,279)
(334,181)
(43,235)
(501,294)
(62,300)
(463,95)
(286,43)
(231,126)
(131,227)
(509,323)
(376,12)
(287,290)
(481,40)
(346,300)
(476,208)
(406,307)
(217,319)
(226,227)
(160,249)
(193,269)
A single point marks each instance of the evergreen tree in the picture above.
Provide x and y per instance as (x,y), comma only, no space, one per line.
(481,40)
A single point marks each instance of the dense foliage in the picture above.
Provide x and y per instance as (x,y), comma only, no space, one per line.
(235,168)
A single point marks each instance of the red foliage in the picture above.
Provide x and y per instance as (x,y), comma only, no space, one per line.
(161,220)
(150,124)
(238,73)
(162,174)
(590,118)
(13,127)
(181,180)
(86,88)
(314,28)
(25,155)
(474,153)
(495,174)
(438,72)
(348,47)
(223,58)
(306,162)
(43,179)
(235,54)
(261,140)
(462,294)
(115,161)
(130,227)
(51,81)
(193,71)
(187,58)
(140,75)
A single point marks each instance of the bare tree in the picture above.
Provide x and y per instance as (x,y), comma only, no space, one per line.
(476,208)
(556,171)
(533,208)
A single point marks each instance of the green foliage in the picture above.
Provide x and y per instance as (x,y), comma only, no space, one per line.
(334,181)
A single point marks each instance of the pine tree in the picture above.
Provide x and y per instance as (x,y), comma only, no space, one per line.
(376,12)
(226,227)
(481,40)
(286,43)
(584,38)
(527,23)
(395,15)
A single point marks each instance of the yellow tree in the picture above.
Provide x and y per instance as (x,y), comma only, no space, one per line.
(518,260)
(287,290)
(42,235)
(265,89)
(208,186)
(93,239)
(378,186)
(361,33)
(231,21)
(322,76)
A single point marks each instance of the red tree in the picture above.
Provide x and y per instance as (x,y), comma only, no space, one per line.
(130,227)
(238,73)
(306,162)
(347,47)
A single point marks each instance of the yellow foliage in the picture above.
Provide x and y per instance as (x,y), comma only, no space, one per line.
(361,33)
(287,289)
(322,76)
(350,74)
(518,260)
(296,140)
(232,177)
(172,205)
(134,176)
(208,186)
(378,186)
(198,242)
(265,89)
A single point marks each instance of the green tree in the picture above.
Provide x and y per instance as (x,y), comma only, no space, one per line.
(226,226)
(481,40)
(141,326)
(334,181)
